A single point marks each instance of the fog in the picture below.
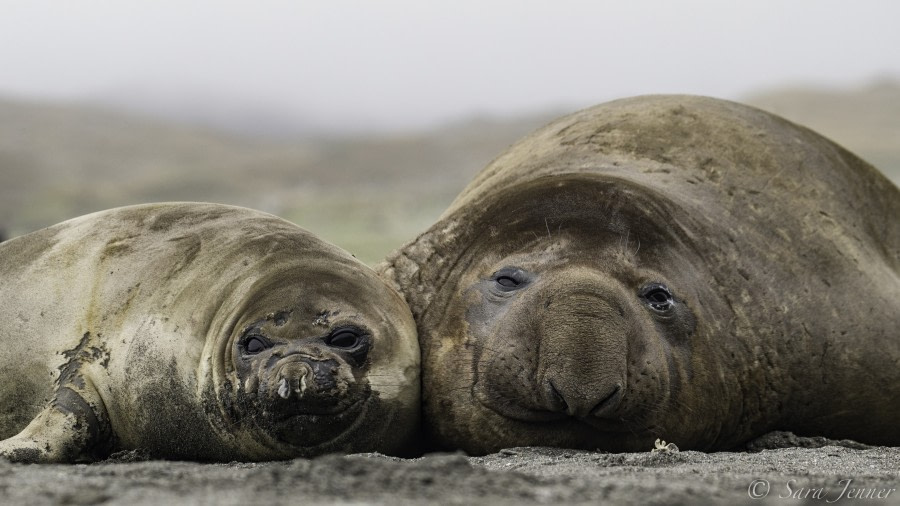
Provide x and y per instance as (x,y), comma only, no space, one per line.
(398,64)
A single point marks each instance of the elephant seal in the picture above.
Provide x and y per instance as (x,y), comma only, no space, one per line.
(671,267)
(199,332)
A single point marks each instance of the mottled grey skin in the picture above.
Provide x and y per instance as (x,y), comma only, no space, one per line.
(677,267)
(198,332)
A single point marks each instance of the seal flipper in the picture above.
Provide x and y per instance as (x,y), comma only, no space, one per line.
(67,430)
(74,426)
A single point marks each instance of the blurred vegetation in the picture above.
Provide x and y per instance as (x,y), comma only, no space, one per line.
(365,194)
(368,195)
(865,120)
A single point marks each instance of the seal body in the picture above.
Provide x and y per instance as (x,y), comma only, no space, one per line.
(200,332)
(668,267)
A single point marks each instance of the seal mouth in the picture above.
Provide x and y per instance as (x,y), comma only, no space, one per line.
(508,408)
(340,426)
(602,415)
(313,413)
(564,423)
(308,433)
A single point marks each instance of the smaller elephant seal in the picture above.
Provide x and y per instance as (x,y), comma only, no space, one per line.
(663,267)
(198,332)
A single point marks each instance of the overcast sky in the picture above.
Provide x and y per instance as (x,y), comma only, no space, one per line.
(405,64)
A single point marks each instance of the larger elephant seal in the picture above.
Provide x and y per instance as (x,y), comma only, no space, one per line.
(200,332)
(666,267)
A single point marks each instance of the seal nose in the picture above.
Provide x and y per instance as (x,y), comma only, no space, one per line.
(292,379)
(583,334)
(579,405)
(307,378)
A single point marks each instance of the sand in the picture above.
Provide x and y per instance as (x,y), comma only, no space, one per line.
(783,470)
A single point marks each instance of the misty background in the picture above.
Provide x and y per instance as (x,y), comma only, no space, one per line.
(362,120)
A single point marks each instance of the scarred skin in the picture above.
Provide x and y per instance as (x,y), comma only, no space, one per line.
(198,332)
(668,267)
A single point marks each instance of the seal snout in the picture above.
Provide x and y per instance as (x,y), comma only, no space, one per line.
(583,336)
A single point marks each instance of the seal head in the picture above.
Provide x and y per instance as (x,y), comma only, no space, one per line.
(313,375)
(574,316)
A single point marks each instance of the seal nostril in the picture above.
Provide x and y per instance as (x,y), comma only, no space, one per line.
(607,404)
(557,401)
(302,385)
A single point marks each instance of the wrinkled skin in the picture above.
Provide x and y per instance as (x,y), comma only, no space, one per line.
(198,332)
(666,267)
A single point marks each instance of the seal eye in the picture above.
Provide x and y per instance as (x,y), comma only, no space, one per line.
(658,297)
(351,340)
(507,282)
(346,338)
(508,279)
(255,344)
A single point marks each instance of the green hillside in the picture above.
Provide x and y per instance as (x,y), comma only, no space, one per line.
(368,195)
(865,120)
